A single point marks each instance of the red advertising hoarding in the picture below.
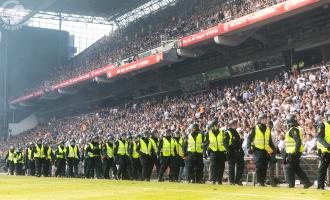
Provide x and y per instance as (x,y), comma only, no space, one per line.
(139,64)
(38,93)
(84,77)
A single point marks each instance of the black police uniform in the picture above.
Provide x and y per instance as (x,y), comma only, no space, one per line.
(155,160)
(72,162)
(135,165)
(260,156)
(60,162)
(217,159)
(29,161)
(292,162)
(108,162)
(235,155)
(165,161)
(145,160)
(122,161)
(195,163)
(19,164)
(94,162)
(178,160)
(46,169)
(39,162)
(10,163)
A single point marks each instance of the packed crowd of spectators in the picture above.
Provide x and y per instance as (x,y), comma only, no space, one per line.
(305,94)
(186,17)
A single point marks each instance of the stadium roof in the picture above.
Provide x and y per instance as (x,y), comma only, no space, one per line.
(103,8)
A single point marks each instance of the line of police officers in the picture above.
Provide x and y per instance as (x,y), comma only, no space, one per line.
(137,155)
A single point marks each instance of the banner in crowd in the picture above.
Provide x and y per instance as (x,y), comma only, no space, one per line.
(244,21)
(84,77)
(35,94)
(139,64)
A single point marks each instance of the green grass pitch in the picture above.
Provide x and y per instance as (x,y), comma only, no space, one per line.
(32,188)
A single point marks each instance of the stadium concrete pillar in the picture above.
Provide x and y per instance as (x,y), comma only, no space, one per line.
(3,85)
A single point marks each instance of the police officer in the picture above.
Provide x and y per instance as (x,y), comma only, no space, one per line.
(134,158)
(108,158)
(144,148)
(49,156)
(10,157)
(60,160)
(261,146)
(194,151)
(235,154)
(214,145)
(178,160)
(154,141)
(29,159)
(85,158)
(294,149)
(323,145)
(166,152)
(93,152)
(121,153)
(39,156)
(72,158)
(19,162)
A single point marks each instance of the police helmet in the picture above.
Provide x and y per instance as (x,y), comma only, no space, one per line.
(213,122)
(291,119)
(261,116)
(327,113)
(193,127)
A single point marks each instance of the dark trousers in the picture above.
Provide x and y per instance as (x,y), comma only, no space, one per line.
(19,169)
(39,162)
(293,168)
(135,168)
(60,167)
(177,164)
(32,167)
(86,164)
(11,167)
(236,163)
(146,163)
(155,162)
(217,165)
(122,170)
(195,167)
(166,162)
(325,161)
(46,169)
(73,167)
(94,166)
(261,159)
(108,163)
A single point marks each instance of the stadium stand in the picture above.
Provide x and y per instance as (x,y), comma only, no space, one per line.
(146,34)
